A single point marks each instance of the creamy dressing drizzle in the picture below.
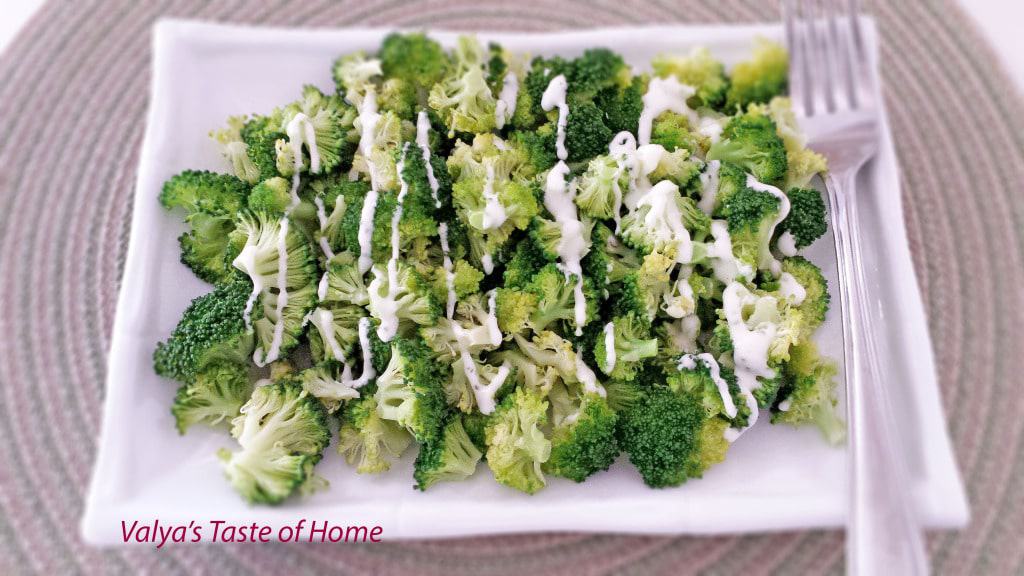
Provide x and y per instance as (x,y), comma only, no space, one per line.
(387,308)
(282,300)
(621,148)
(487,261)
(368,118)
(494,213)
(364,344)
(423,141)
(750,349)
(609,345)
(709,187)
(323,319)
(587,377)
(786,244)
(572,246)
(493,331)
(766,260)
(664,215)
(724,264)
(689,362)
(506,105)
(664,95)
(483,393)
(449,270)
(791,290)
(554,96)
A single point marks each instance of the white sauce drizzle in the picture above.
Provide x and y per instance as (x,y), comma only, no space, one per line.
(368,118)
(587,377)
(423,141)
(609,345)
(750,349)
(785,405)
(364,344)
(786,244)
(709,187)
(791,290)
(572,246)
(388,306)
(300,130)
(246,262)
(494,212)
(321,288)
(487,261)
(689,362)
(621,148)
(506,105)
(449,270)
(664,95)
(554,96)
(664,216)
(765,259)
(282,300)
(493,331)
(483,393)
(323,319)
(724,264)
(710,127)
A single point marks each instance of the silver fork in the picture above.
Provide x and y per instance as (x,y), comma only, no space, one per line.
(834,95)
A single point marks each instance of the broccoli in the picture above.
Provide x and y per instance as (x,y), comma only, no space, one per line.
(204,247)
(816,299)
(412,300)
(673,132)
(751,142)
(810,396)
(344,282)
(622,106)
(583,440)
(751,216)
(282,432)
(516,446)
(409,391)
(586,134)
(201,191)
(236,150)
(806,218)
(212,328)
(216,395)
(514,308)
(260,134)
(450,456)
(761,78)
(656,224)
(642,291)
(368,441)
(802,162)
(669,438)
(355,74)
(536,148)
(462,98)
(626,343)
(601,188)
(556,298)
(328,383)
(271,196)
(700,70)
(327,118)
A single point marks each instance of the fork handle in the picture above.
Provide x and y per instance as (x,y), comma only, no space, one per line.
(883,534)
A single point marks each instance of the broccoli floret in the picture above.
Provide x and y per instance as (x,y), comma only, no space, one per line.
(806,219)
(536,148)
(631,343)
(216,395)
(272,196)
(236,150)
(656,224)
(354,74)
(529,114)
(596,70)
(411,301)
(204,247)
(601,188)
(673,131)
(810,396)
(802,162)
(450,457)
(731,180)
(516,446)
(410,392)
(586,134)
(700,70)
(751,142)
(462,98)
(622,106)
(344,282)
(583,442)
(202,191)
(761,78)
(641,292)
(212,328)
(697,382)
(816,300)
(556,299)
(526,261)
(750,215)
(475,425)
(260,135)
(330,120)
(552,354)
(514,307)
(414,58)
(282,432)
(327,383)
(367,441)
(669,438)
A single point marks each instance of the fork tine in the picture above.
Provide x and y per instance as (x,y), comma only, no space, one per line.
(860,66)
(819,53)
(797,79)
(841,57)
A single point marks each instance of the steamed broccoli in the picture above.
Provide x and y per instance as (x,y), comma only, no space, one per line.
(699,70)
(750,141)
(409,391)
(216,395)
(806,219)
(462,98)
(450,456)
(366,440)
(282,432)
(810,395)
(751,215)
(630,343)
(761,78)
(583,439)
(516,446)
(212,328)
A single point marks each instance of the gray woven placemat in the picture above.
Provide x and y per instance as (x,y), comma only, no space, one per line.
(73,94)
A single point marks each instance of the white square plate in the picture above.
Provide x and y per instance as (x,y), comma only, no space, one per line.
(775,478)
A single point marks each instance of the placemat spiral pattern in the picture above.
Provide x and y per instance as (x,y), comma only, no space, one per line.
(73,96)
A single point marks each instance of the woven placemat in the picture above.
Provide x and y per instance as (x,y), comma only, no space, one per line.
(73,96)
